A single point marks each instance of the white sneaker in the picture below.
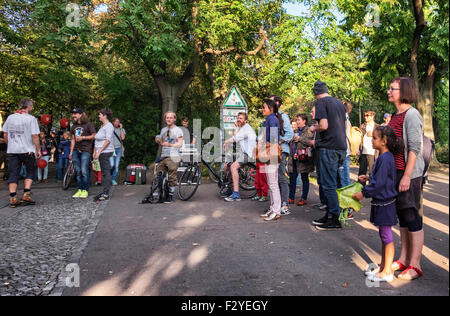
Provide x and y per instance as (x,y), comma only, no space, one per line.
(374,278)
(285,210)
(272,217)
(371,272)
(266,214)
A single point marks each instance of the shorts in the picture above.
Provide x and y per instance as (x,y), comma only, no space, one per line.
(409,204)
(15,162)
(242,158)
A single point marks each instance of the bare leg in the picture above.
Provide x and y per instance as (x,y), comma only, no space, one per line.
(388,258)
(405,252)
(235,175)
(12,187)
(416,246)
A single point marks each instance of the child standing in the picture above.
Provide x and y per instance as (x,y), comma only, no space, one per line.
(260,183)
(382,190)
(97,171)
(63,155)
(46,147)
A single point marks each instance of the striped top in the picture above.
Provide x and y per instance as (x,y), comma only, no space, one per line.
(397,125)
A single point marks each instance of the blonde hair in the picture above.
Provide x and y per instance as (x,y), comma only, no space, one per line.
(174,115)
(67,133)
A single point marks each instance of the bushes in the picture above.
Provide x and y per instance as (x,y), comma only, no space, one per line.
(442,153)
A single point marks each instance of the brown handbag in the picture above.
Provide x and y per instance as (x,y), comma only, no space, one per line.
(268,153)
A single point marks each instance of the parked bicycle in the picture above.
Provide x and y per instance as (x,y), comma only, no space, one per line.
(69,175)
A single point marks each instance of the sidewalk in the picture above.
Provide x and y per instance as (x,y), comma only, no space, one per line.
(210,247)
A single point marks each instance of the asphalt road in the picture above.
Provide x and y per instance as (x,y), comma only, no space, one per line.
(207,246)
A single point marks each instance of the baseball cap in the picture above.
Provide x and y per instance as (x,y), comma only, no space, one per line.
(386,115)
(77,110)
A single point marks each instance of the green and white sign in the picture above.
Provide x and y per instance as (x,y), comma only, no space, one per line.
(234,99)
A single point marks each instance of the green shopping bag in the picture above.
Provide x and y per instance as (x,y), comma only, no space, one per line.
(345,196)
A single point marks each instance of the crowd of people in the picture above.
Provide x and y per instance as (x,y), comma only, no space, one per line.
(391,164)
(30,149)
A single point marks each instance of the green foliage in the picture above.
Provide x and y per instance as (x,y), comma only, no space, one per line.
(442,153)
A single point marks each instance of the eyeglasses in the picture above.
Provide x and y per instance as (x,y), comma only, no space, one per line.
(367,115)
(392,89)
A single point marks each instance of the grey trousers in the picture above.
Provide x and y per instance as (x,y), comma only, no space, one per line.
(105,166)
(282,180)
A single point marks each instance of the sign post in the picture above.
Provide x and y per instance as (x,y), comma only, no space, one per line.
(232,105)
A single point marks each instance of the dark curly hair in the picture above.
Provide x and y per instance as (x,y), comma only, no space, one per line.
(393,143)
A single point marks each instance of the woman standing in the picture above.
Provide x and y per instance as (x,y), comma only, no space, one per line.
(407,124)
(302,163)
(272,127)
(46,147)
(103,151)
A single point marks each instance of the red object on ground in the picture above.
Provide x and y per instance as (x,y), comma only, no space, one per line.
(64,123)
(41,163)
(46,119)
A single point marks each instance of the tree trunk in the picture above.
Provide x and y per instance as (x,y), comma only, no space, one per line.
(426,101)
(425,93)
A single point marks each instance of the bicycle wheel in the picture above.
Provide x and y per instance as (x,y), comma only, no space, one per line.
(189,181)
(217,167)
(155,194)
(69,176)
(247,177)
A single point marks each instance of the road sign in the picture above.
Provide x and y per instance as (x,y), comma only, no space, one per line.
(234,99)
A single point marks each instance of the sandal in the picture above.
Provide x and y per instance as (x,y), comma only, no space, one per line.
(401,266)
(405,272)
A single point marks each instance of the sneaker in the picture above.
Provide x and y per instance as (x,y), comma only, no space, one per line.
(26,199)
(323,207)
(318,205)
(169,199)
(285,210)
(272,217)
(332,223)
(84,194)
(233,197)
(263,199)
(266,214)
(320,221)
(101,197)
(375,278)
(256,198)
(302,202)
(114,182)
(14,201)
(291,201)
(77,195)
(350,214)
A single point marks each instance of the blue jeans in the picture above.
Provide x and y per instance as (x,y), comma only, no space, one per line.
(329,162)
(319,183)
(81,162)
(62,163)
(115,162)
(344,172)
(293,183)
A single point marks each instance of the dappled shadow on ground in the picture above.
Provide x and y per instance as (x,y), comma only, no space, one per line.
(210,247)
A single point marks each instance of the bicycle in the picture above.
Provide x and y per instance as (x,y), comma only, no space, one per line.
(69,175)
(224,180)
(159,189)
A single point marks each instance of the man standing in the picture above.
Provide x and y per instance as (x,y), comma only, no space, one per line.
(246,139)
(21,133)
(118,138)
(331,146)
(83,136)
(171,140)
(286,136)
(188,132)
(367,153)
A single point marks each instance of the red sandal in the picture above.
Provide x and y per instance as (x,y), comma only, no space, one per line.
(401,266)
(418,271)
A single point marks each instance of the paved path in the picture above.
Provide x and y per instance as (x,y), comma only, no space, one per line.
(210,247)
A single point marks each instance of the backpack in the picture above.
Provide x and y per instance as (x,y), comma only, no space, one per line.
(427,152)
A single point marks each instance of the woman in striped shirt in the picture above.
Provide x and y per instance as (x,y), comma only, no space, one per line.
(407,124)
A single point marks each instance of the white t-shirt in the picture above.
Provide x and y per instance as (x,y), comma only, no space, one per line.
(170,136)
(348,127)
(105,133)
(20,127)
(246,139)
(367,141)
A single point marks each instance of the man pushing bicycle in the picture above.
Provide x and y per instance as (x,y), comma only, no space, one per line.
(171,140)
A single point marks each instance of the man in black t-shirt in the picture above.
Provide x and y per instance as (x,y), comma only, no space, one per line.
(83,135)
(331,146)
